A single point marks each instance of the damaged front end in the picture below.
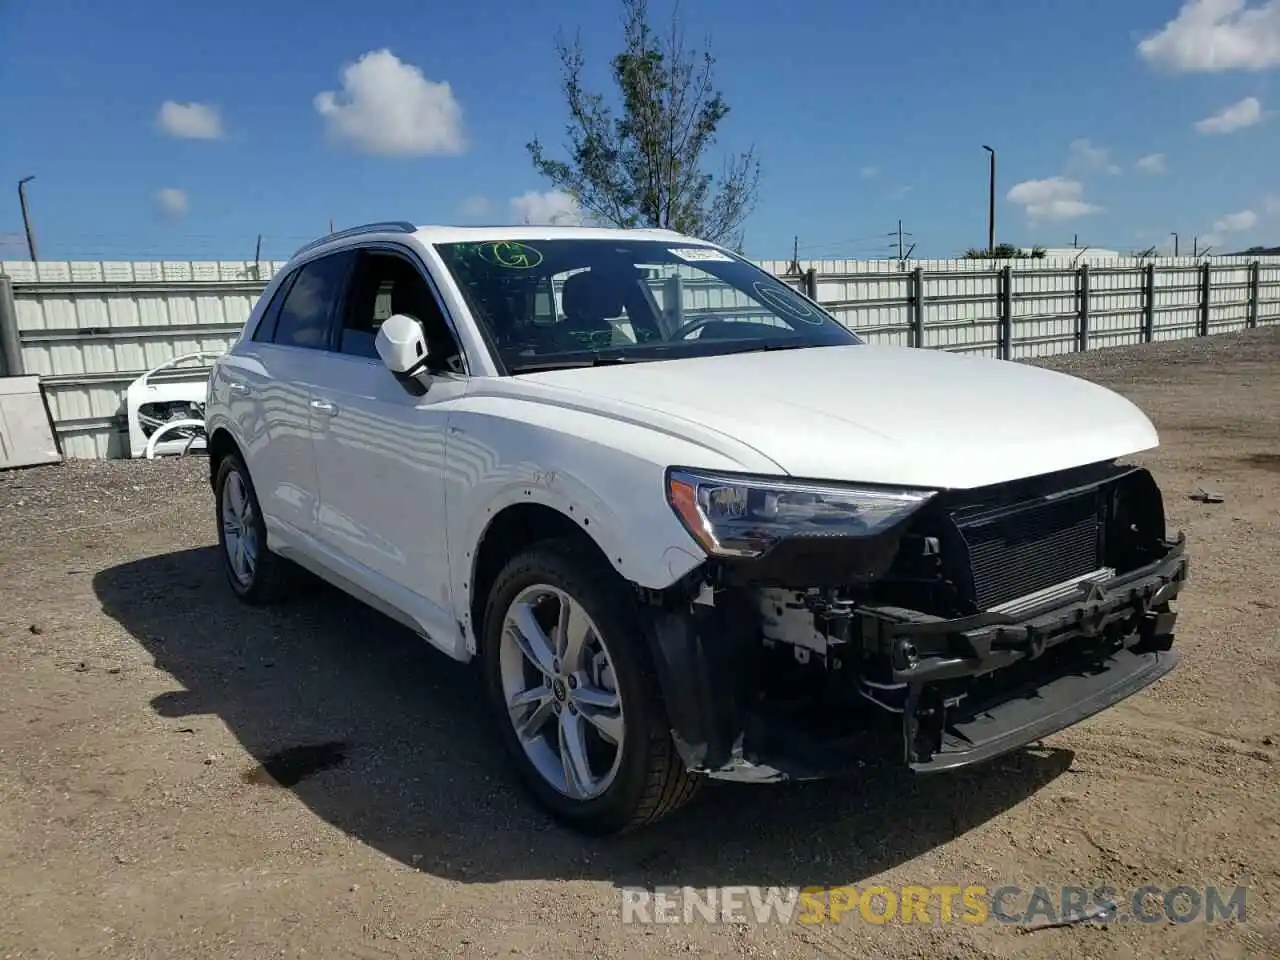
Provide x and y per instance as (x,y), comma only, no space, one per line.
(945,630)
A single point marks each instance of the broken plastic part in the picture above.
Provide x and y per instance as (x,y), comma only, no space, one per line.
(188,429)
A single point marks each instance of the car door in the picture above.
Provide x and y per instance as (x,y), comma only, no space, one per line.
(380,451)
(273,382)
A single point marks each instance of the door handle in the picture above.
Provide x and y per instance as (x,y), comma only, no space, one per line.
(325,407)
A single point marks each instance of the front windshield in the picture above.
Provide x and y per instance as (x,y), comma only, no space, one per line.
(547,304)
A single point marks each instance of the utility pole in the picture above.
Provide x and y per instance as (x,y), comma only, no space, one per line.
(1175,243)
(1195,246)
(991,204)
(26,216)
(793,268)
(902,237)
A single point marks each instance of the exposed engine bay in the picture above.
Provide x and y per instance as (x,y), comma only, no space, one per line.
(987,620)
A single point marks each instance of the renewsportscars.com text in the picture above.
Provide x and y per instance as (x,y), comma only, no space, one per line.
(939,903)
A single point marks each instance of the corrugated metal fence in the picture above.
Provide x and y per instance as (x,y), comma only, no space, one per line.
(89,329)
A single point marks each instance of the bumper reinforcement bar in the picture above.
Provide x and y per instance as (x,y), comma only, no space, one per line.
(1039,709)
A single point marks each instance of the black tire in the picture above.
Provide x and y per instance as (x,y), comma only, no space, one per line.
(652,781)
(273,576)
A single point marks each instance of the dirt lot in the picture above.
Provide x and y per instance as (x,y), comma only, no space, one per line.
(138,702)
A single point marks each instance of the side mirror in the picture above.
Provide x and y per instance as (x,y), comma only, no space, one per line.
(403,349)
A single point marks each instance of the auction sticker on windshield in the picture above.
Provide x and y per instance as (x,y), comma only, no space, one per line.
(694,254)
(512,254)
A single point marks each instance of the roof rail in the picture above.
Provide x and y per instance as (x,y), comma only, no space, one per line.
(384,226)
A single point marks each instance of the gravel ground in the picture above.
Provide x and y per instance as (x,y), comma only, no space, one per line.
(139,704)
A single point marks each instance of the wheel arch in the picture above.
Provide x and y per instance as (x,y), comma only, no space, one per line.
(221,443)
(648,551)
(512,529)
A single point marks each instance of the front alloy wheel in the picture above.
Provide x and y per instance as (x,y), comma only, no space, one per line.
(563,701)
(570,680)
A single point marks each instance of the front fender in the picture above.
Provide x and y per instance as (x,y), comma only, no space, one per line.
(607,477)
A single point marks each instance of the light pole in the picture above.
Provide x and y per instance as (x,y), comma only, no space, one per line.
(26,216)
(1175,243)
(991,204)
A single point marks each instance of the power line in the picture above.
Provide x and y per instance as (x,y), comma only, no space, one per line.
(851,241)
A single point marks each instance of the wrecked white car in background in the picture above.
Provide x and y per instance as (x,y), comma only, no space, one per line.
(688,524)
(166,415)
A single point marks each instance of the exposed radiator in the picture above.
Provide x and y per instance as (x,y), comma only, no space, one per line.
(1024,548)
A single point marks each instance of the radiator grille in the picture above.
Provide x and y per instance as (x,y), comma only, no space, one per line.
(1024,550)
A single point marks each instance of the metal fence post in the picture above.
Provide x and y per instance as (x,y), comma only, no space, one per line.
(1149,303)
(1082,307)
(1254,272)
(1005,349)
(915,308)
(10,346)
(673,295)
(811,284)
(1203,330)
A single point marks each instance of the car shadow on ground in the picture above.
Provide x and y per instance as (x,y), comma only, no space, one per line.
(389,741)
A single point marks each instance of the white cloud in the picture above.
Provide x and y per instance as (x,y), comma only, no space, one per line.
(553,207)
(869,173)
(897,193)
(1235,222)
(387,107)
(1151,163)
(474,207)
(1209,240)
(1054,198)
(172,202)
(1237,116)
(1085,155)
(1215,35)
(190,121)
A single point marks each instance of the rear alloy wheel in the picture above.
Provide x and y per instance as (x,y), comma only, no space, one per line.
(570,680)
(256,574)
(239,530)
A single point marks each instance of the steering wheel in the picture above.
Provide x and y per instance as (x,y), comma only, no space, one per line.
(683,331)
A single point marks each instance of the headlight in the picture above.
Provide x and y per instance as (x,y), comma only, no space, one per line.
(744,516)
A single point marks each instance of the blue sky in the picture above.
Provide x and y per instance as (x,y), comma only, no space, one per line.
(1114,121)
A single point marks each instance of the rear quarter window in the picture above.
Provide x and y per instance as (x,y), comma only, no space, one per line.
(266,328)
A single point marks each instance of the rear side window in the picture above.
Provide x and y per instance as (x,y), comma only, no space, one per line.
(310,303)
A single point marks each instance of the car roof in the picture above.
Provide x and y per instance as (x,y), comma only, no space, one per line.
(445,233)
(451,234)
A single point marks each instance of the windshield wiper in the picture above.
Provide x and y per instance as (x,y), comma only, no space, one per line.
(650,352)
(769,347)
(600,360)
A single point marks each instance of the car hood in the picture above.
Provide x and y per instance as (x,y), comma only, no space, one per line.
(884,415)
